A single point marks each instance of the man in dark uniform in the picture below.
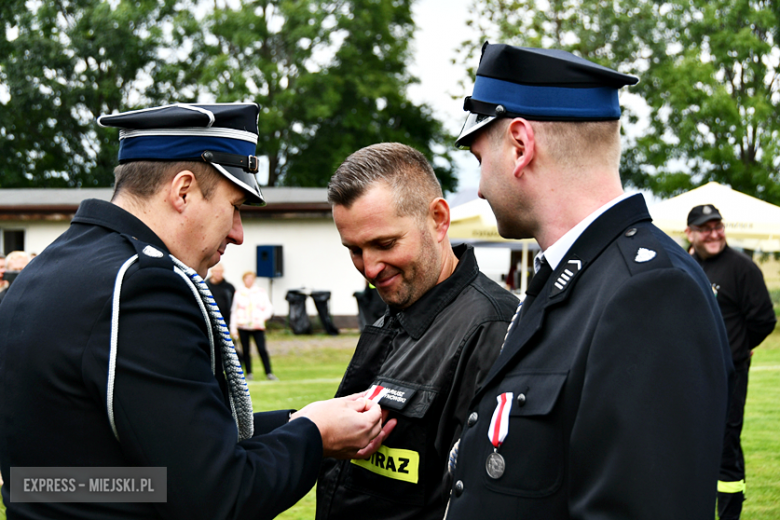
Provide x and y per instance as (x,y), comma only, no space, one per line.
(426,356)
(609,396)
(746,306)
(112,354)
(222,291)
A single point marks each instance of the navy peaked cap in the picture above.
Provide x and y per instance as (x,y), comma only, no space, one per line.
(222,134)
(540,85)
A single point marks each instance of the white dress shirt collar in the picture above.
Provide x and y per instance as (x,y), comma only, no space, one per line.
(555,253)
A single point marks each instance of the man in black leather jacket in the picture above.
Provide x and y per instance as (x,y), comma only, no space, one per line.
(428,354)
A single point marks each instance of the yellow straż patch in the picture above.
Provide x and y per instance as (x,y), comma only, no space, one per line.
(393,463)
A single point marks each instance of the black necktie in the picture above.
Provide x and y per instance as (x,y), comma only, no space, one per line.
(536,285)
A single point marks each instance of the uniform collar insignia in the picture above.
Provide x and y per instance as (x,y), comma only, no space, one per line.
(570,270)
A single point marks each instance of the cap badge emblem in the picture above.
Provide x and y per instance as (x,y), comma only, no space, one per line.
(707,210)
(644,255)
(153,252)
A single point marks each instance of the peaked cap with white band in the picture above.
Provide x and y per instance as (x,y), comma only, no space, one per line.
(540,85)
(222,134)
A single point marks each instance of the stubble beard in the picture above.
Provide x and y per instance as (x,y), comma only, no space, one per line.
(420,277)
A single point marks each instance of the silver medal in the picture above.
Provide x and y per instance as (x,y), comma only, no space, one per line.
(495,465)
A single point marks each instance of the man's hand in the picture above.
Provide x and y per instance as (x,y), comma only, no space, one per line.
(347,425)
(387,427)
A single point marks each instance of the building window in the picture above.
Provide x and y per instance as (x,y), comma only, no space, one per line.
(13,240)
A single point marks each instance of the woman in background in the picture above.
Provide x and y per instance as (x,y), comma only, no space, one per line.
(251,308)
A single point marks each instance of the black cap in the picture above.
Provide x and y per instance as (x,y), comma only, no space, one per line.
(540,85)
(701,214)
(222,134)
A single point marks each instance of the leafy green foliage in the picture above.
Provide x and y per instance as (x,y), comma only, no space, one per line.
(709,75)
(329,76)
(361,99)
(69,62)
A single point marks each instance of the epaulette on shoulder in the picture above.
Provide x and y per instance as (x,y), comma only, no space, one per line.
(642,250)
(149,255)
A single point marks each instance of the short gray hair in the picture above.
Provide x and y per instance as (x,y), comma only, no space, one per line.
(143,179)
(403,168)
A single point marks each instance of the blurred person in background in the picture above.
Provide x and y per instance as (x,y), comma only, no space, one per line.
(16,261)
(221,290)
(746,306)
(3,282)
(13,265)
(249,312)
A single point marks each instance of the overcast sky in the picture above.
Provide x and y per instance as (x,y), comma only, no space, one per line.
(441,27)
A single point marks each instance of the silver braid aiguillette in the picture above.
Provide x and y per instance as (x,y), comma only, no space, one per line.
(240,400)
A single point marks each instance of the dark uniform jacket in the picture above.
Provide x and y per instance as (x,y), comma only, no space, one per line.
(170,409)
(743,299)
(431,356)
(619,373)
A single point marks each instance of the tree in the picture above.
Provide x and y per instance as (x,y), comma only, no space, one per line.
(361,98)
(263,52)
(70,61)
(329,76)
(709,74)
(325,86)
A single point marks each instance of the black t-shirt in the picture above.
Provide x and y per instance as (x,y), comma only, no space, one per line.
(223,294)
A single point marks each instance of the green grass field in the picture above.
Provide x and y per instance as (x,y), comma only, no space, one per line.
(310,369)
(760,435)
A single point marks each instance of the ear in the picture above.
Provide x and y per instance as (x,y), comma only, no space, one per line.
(180,190)
(689,234)
(439,212)
(523,143)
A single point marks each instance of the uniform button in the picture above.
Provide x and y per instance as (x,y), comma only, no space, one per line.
(521,399)
(631,232)
(459,488)
(473,418)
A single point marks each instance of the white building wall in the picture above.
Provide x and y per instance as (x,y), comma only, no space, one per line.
(313,258)
(37,234)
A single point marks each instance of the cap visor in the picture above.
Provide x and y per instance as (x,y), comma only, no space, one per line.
(473,123)
(244,180)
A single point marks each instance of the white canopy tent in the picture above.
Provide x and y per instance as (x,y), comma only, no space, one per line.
(750,223)
(475,223)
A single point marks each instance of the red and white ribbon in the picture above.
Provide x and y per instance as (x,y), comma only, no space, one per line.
(499,424)
(376,393)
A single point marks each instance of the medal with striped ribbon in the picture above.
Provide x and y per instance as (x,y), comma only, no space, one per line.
(497,432)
